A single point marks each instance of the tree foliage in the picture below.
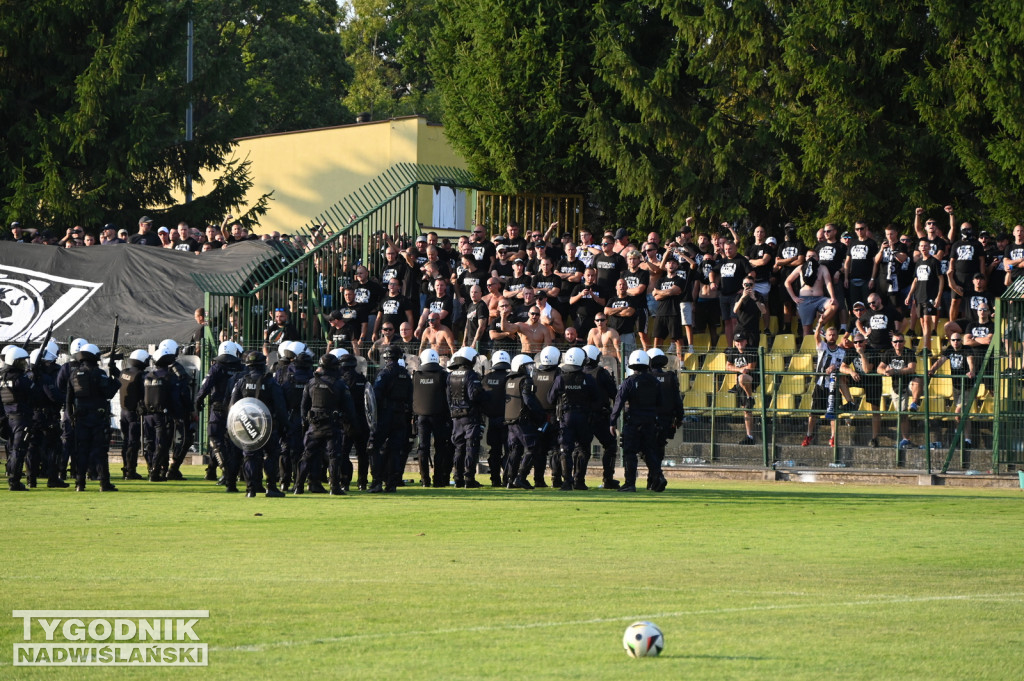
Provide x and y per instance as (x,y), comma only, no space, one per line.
(387,43)
(93,98)
(508,76)
(760,112)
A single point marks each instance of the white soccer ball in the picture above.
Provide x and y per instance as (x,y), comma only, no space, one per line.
(643,639)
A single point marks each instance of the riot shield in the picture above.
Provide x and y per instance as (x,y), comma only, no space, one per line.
(370,402)
(249,424)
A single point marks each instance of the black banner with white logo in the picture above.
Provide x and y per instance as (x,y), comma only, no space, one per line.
(79,290)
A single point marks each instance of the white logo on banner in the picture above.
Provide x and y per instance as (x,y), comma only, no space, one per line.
(31,301)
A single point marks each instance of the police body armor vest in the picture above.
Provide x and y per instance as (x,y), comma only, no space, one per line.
(603,397)
(401,395)
(457,397)
(573,395)
(9,387)
(131,389)
(645,397)
(232,371)
(183,377)
(515,405)
(667,390)
(543,379)
(294,384)
(85,387)
(252,386)
(494,386)
(356,383)
(156,392)
(429,393)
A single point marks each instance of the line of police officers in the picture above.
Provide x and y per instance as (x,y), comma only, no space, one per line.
(529,412)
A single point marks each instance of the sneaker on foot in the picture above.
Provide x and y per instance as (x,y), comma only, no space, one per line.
(831,442)
(747,440)
(905,443)
(807,441)
(967,442)
(874,442)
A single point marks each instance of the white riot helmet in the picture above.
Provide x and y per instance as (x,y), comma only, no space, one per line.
(519,361)
(549,356)
(140,356)
(49,355)
(88,351)
(238,349)
(593,352)
(228,348)
(500,357)
(573,357)
(639,358)
(285,349)
(12,353)
(657,357)
(339,352)
(429,355)
(52,348)
(467,353)
(76,346)
(169,346)
(299,348)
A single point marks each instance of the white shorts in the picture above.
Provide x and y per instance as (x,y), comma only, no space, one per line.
(686,313)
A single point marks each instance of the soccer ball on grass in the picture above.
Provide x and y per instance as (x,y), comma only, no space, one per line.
(643,639)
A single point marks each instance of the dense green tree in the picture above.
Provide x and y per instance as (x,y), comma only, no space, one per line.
(970,95)
(93,98)
(509,75)
(387,43)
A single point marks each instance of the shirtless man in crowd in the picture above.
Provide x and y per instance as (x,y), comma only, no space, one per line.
(437,336)
(533,334)
(605,338)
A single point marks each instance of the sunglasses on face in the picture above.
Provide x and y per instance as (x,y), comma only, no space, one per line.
(535,314)
(955,340)
(859,342)
(388,328)
(896,341)
(602,319)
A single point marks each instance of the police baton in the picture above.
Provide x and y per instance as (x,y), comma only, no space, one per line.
(113,344)
(42,350)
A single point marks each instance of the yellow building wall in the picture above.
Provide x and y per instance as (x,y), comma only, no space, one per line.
(310,170)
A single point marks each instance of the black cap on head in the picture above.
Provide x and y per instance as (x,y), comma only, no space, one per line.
(739,336)
(329,362)
(255,358)
(620,233)
(336,316)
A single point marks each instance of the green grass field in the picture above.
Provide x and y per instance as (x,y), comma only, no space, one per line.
(747,581)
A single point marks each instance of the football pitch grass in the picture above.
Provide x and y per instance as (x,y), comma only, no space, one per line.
(746,580)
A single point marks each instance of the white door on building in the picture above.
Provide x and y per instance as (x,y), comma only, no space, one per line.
(450,208)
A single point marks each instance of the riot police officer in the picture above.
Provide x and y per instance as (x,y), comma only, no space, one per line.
(466,398)
(44,449)
(433,418)
(544,375)
(638,396)
(90,390)
(600,415)
(256,383)
(523,413)
(67,453)
(131,395)
(669,412)
(293,377)
(358,434)
(218,384)
(16,390)
(573,396)
(494,410)
(182,421)
(327,409)
(393,394)
(162,403)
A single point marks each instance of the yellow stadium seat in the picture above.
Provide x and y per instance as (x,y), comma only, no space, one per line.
(802,363)
(808,344)
(723,400)
(785,344)
(703,383)
(774,363)
(792,385)
(702,341)
(694,401)
(714,361)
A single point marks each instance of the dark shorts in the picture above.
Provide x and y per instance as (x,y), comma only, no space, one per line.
(964,284)
(926,309)
(667,327)
(725,305)
(872,389)
(819,398)
(706,314)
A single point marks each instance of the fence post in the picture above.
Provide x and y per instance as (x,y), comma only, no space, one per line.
(927,415)
(764,406)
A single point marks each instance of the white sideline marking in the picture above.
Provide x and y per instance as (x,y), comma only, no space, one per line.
(880,600)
